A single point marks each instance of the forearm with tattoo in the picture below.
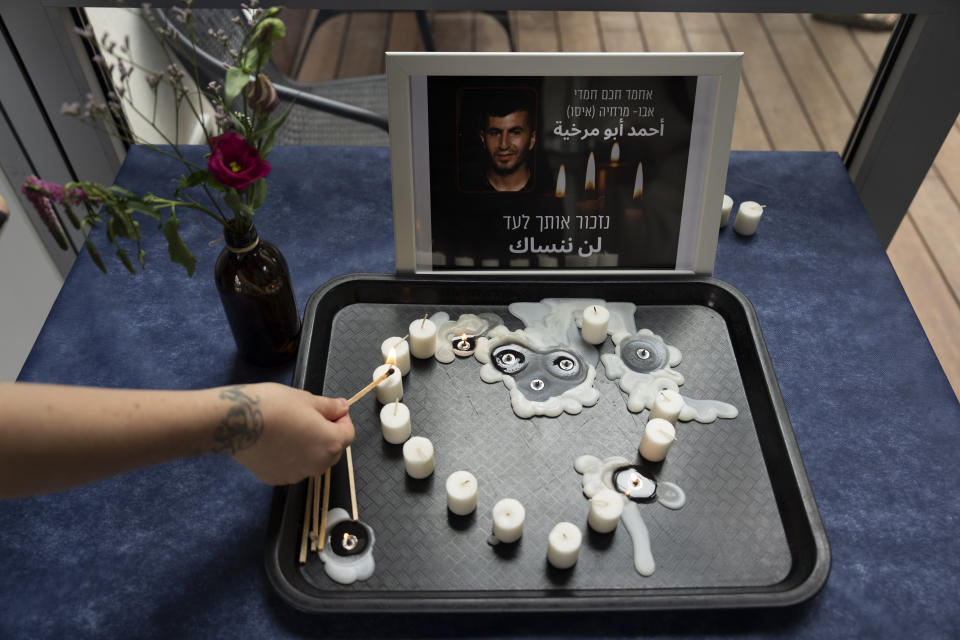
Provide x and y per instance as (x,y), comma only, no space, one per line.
(242,426)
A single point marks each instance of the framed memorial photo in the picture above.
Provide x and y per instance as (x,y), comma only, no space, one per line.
(559,163)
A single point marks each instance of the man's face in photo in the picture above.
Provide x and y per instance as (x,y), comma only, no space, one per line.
(508,140)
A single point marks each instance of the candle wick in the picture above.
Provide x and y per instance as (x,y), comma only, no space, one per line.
(595,309)
(396,405)
(423,321)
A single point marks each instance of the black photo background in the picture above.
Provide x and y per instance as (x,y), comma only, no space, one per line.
(604,224)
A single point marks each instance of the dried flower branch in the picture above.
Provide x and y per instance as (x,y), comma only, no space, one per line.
(234,178)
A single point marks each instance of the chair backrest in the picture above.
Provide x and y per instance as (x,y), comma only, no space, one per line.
(319,108)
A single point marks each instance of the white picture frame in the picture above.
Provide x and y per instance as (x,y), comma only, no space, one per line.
(716,79)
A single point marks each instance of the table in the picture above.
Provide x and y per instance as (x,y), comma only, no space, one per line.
(177,550)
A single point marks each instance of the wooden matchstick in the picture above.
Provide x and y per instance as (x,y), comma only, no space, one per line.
(315,527)
(366,389)
(306,522)
(324,509)
(353,488)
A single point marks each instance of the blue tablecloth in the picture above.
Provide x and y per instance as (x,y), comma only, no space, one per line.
(177,550)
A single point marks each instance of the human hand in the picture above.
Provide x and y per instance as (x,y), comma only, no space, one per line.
(282,434)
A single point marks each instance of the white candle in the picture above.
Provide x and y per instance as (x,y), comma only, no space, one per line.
(390,389)
(395,422)
(658,435)
(508,515)
(748,217)
(418,457)
(396,349)
(606,506)
(595,321)
(563,547)
(667,405)
(725,210)
(423,338)
(461,492)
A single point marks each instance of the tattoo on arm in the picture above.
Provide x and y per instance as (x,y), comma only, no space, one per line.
(243,424)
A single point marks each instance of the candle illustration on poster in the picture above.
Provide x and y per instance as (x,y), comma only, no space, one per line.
(592,202)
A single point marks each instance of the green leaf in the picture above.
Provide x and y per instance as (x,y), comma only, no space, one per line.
(270,129)
(179,252)
(232,198)
(213,184)
(129,231)
(251,60)
(123,192)
(146,209)
(258,194)
(111,230)
(95,255)
(236,80)
(142,257)
(195,178)
(125,259)
(71,214)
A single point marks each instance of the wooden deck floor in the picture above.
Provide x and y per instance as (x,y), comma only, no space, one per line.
(802,85)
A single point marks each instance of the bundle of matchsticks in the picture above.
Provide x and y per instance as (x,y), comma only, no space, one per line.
(314,535)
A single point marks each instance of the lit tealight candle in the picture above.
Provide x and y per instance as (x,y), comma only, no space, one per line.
(658,435)
(725,210)
(395,422)
(564,545)
(461,492)
(418,457)
(423,338)
(396,350)
(667,405)
(748,217)
(390,389)
(606,506)
(596,318)
(508,516)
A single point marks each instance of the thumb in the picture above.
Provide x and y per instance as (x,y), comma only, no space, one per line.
(330,408)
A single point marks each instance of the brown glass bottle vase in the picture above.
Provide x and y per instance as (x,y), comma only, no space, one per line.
(254,284)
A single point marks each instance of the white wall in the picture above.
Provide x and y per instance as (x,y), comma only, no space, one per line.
(118,22)
(29,284)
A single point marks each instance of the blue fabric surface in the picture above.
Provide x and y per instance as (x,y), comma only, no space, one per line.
(177,550)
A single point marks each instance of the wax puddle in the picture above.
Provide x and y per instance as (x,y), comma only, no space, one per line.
(460,337)
(599,474)
(642,365)
(637,528)
(546,380)
(347,569)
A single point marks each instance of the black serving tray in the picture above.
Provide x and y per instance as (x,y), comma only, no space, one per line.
(750,534)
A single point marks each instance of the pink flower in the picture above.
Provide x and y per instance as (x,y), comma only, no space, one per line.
(234,162)
(41,195)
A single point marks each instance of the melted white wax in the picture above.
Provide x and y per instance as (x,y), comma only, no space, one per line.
(572,400)
(598,475)
(467,324)
(642,388)
(553,322)
(346,569)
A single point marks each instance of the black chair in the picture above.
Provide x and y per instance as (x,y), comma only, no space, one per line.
(344,112)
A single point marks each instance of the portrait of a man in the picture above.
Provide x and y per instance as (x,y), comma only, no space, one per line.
(508,134)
